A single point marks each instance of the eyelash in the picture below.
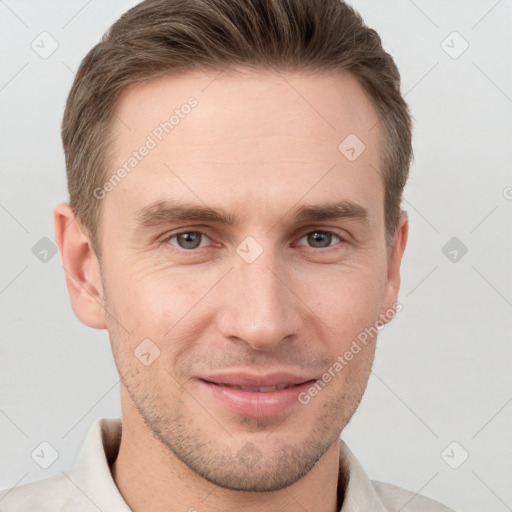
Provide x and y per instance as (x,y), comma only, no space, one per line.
(169,237)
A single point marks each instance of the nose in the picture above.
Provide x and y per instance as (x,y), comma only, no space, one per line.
(259,305)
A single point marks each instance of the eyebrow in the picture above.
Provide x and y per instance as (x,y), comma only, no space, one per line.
(164,212)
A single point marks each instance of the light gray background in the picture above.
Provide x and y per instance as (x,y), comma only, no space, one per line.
(442,370)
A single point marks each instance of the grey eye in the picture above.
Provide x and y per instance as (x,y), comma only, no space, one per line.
(188,239)
(319,239)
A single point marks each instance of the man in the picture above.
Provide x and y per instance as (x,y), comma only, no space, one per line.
(235,171)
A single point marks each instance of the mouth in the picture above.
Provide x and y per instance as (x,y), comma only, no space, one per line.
(255,396)
(261,389)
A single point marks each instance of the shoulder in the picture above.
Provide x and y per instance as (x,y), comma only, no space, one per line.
(88,486)
(397,499)
(51,494)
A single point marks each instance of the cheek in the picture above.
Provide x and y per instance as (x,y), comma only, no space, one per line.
(163,307)
(347,299)
(150,298)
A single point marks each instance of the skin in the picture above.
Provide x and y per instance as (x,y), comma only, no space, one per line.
(257,146)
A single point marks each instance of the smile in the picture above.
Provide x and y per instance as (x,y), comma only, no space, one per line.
(262,396)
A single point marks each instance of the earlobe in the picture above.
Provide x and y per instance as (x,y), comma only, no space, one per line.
(81,268)
(394,261)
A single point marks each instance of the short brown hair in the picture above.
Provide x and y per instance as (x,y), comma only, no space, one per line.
(159,37)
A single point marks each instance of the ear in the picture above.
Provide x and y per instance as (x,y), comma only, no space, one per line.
(81,267)
(394,260)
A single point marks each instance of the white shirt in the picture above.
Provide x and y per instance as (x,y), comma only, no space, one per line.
(89,487)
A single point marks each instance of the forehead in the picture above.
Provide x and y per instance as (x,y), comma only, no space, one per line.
(246,102)
(245,136)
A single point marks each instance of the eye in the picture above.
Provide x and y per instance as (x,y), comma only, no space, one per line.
(320,239)
(188,239)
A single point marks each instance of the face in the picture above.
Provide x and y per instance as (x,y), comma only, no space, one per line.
(244,252)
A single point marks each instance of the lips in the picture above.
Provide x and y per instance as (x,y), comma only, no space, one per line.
(255,395)
(261,389)
(248,380)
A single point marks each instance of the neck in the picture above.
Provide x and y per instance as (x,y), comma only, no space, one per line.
(151,478)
